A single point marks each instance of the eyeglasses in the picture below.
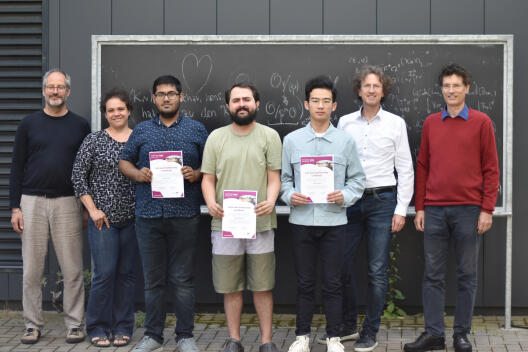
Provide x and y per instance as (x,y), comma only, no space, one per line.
(171,95)
(371,86)
(452,86)
(59,88)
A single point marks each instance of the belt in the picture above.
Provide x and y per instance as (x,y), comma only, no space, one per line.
(378,190)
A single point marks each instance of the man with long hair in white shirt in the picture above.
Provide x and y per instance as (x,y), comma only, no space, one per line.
(383,147)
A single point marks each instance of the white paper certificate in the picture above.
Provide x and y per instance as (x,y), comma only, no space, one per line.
(167,178)
(240,219)
(317,177)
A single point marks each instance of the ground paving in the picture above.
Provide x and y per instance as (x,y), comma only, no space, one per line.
(210,334)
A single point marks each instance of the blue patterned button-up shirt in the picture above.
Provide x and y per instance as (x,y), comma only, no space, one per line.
(186,135)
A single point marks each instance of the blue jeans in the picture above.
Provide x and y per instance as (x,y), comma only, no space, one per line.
(443,224)
(168,252)
(369,218)
(111,304)
(326,244)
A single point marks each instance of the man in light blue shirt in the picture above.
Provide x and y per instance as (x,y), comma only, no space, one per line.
(318,230)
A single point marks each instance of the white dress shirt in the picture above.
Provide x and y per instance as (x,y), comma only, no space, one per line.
(383,146)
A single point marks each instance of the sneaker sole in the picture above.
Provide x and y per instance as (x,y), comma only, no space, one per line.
(365,349)
(29,342)
(433,348)
(75,340)
(352,337)
(159,349)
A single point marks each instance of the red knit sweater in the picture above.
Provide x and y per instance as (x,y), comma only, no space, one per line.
(458,162)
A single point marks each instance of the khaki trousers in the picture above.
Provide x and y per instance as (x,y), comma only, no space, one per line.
(62,217)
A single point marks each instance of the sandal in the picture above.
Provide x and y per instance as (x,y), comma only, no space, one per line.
(121,340)
(100,341)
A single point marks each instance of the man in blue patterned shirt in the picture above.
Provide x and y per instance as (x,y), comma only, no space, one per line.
(167,228)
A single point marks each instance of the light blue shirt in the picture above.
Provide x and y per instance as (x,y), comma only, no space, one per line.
(348,174)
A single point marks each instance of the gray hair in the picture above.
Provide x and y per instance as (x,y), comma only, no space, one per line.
(46,75)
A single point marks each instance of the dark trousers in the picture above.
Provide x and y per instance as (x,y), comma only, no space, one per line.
(168,250)
(444,224)
(370,219)
(114,252)
(325,243)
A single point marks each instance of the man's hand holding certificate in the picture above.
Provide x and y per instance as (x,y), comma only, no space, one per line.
(240,219)
(167,177)
(317,178)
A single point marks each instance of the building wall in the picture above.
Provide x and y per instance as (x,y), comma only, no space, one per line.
(72,22)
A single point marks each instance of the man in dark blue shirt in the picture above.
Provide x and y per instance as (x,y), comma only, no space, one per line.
(43,204)
(167,228)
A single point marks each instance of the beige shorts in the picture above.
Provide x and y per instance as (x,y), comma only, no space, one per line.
(240,264)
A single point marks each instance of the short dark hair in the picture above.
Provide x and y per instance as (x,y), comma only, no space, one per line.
(320,82)
(256,94)
(167,79)
(386,81)
(454,69)
(118,93)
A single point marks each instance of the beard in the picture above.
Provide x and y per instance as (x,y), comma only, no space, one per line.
(168,114)
(243,121)
(55,103)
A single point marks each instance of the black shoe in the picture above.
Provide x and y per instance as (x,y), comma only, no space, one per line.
(425,342)
(366,343)
(268,347)
(233,345)
(461,343)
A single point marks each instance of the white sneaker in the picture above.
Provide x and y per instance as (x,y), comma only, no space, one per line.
(333,344)
(301,344)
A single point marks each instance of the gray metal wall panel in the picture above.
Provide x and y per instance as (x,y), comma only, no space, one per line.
(296,17)
(492,249)
(190,17)
(54,34)
(455,17)
(403,17)
(137,17)
(393,17)
(509,16)
(243,17)
(349,17)
(80,19)
(15,286)
(4,286)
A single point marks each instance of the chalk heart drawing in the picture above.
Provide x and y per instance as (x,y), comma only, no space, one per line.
(196,72)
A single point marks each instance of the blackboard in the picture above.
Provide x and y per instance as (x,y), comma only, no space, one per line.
(280,66)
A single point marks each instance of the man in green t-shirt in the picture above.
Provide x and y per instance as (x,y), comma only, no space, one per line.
(244,155)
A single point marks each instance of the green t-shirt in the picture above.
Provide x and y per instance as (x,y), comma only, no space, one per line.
(241,163)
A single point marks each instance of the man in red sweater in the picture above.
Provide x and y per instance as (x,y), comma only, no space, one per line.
(457,180)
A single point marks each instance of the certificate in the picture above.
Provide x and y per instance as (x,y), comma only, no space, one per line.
(317,177)
(167,178)
(240,219)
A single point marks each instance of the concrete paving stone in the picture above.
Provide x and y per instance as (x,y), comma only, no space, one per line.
(498,348)
(513,347)
(496,340)
(217,346)
(199,326)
